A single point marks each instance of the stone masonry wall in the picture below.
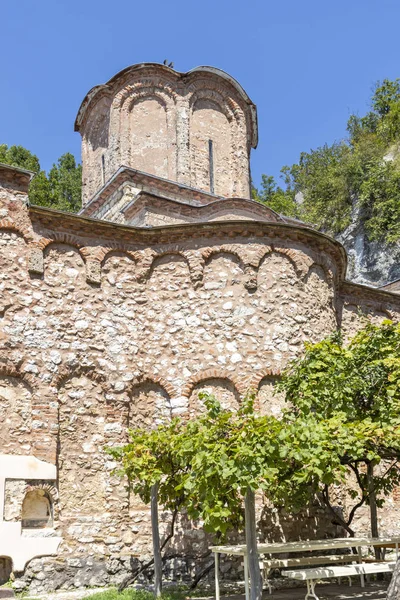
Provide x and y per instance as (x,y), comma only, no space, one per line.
(96,336)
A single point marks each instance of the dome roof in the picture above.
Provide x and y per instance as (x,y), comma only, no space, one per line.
(107,88)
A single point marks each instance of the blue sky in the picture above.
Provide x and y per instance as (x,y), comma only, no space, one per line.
(307,64)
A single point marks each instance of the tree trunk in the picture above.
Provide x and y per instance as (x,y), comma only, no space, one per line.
(372,506)
(251,546)
(393,592)
(156,541)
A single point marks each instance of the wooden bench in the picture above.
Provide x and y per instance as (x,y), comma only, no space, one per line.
(311,576)
(267,565)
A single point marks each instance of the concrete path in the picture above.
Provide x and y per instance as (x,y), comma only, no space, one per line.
(373,591)
(340,592)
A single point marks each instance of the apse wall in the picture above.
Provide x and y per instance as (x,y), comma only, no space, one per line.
(107,328)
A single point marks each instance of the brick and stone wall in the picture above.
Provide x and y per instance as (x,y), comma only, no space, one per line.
(111,326)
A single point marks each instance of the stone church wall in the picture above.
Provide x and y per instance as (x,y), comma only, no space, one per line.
(101,330)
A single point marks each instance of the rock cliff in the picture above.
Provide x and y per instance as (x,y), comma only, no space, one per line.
(369,262)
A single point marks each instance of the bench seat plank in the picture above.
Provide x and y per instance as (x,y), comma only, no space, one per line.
(342,571)
(284,563)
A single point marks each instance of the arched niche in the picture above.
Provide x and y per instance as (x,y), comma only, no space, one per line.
(270,401)
(223,390)
(149,136)
(276,275)
(169,276)
(118,275)
(37,510)
(149,405)
(64,267)
(320,282)
(15,415)
(96,169)
(223,270)
(211,151)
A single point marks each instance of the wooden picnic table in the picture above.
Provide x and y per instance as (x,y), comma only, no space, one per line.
(302,546)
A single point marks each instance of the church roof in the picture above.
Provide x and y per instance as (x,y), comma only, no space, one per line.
(132,196)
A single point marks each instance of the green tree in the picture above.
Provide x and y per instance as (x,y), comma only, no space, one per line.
(18,156)
(343,415)
(210,465)
(61,190)
(322,176)
(386,93)
(280,200)
(65,180)
(154,471)
(359,384)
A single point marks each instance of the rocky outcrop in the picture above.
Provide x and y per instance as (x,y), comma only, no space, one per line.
(369,262)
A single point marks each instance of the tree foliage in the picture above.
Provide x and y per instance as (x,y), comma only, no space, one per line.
(343,414)
(364,169)
(342,418)
(275,197)
(204,464)
(61,189)
(358,384)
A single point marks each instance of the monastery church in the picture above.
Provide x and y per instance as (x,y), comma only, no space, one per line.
(169,281)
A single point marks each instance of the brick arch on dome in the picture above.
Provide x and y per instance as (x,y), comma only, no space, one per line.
(298,259)
(150,94)
(139,90)
(39,252)
(236,108)
(217,91)
(229,251)
(97,125)
(254,258)
(216,98)
(60,237)
(225,249)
